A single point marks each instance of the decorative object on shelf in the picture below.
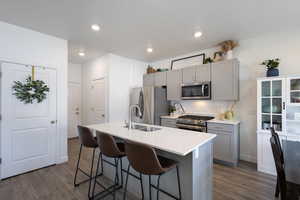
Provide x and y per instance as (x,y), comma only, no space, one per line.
(218,56)
(172,109)
(208,60)
(31,90)
(162,70)
(229,114)
(150,70)
(272,67)
(196,59)
(227,47)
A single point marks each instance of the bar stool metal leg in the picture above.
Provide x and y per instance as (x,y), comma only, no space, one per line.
(150,188)
(77,166)
(100,158)
(126,182)
(178,182)
(91,173)
(142,186)
(157,194)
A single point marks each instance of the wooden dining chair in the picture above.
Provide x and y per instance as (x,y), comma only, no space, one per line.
(287,191)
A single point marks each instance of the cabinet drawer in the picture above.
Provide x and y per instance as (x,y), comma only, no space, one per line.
(220,127)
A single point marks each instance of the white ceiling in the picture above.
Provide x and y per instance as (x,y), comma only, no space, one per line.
(128,27)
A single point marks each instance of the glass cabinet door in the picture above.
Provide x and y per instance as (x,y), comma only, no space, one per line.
(271,104)
(294,92)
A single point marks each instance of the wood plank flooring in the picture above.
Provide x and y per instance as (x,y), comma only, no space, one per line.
(56,182)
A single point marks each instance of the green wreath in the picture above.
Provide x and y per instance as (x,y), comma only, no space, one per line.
(30,90)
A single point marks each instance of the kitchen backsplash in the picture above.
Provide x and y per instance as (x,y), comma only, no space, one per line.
(205,107)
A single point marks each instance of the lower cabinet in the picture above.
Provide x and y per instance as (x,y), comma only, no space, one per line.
(168,122)
(226,144)
(265,160)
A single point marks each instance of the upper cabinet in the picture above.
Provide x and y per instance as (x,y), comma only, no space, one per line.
(225,80)
(198,74)
(203,73)
(174,80)
(160,79)
(155,79)
(148,80)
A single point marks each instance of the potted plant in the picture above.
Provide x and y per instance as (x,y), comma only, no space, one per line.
(272,67)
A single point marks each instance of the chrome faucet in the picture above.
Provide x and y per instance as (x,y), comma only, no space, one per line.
(130,114)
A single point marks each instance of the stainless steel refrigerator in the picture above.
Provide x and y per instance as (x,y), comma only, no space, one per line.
(153,103)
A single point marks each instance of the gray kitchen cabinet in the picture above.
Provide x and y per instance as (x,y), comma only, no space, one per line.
(226,144)
(168,122)
(148,79)
(196,74)
(189,75)
(225,80)
(174,80)
(203,73)
(160,79)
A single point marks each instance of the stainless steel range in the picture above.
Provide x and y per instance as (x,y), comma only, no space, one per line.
(193,122)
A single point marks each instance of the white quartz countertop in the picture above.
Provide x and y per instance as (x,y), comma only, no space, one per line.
(173,140)
(232,122)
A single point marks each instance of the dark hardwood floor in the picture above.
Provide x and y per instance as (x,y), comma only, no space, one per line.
(56,182)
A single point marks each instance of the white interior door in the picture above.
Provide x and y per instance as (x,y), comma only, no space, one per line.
(28,131)
(74,109)
(97,101)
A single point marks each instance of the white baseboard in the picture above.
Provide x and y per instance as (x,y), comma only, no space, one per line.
(62,160)
(248,158)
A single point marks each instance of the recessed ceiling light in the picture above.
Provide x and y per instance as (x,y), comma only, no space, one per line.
(198,34)
(149,50)
(81,54)
(95,27)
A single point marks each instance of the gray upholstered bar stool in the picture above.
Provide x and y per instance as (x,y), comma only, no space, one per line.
(143,159)
(111,149)
(87,140)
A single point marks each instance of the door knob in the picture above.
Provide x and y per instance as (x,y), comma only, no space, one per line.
(53,122)
(103,115)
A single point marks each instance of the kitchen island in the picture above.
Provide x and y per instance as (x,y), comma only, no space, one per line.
(192,150)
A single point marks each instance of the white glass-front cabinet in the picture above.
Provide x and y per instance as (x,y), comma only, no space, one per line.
(270,112)
(293,95)
(271,104)
(278,105)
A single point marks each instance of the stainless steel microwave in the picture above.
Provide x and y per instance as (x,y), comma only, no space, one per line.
(196,91)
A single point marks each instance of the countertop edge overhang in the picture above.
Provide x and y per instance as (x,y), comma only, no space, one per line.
(172,140)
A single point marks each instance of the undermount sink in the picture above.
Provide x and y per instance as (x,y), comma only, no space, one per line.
(144,128)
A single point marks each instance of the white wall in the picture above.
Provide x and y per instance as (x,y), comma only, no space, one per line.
(29,47)
(121,74)
(124,74)
(74,73)
(251,52)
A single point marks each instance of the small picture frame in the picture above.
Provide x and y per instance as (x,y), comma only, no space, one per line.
(187,61)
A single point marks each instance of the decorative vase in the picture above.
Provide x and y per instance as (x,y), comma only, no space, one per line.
(229,55)
(272,72)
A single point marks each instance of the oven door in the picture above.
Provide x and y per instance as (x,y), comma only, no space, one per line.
(196,91)
(191,127)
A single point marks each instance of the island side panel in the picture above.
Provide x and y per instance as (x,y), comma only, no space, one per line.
(203,172)
(195,174)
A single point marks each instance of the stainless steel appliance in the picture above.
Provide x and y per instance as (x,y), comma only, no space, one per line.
(153,103)
(196,91)
(193,122)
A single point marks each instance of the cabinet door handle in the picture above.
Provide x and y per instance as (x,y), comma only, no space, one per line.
(283,105)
